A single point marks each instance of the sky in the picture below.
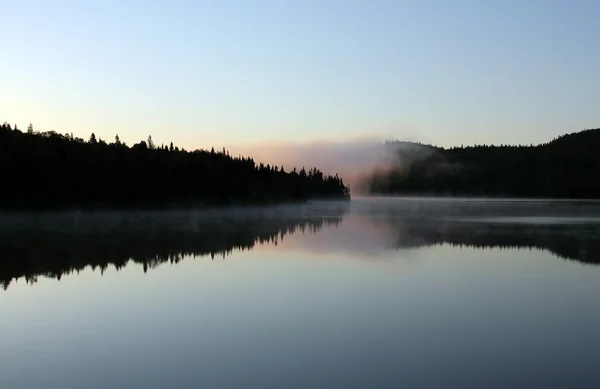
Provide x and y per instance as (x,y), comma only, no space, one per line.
(258,72)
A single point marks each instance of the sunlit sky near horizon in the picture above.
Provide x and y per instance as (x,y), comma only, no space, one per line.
(204,73)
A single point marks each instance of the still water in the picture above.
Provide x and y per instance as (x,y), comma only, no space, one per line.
(375,293)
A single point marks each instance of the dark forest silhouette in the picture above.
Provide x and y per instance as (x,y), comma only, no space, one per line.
(567,167)
(50,170)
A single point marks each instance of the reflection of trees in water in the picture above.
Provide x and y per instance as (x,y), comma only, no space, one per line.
(31,253)
(572,242)
(59,244)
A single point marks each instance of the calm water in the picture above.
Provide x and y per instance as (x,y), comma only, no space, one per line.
(378,293)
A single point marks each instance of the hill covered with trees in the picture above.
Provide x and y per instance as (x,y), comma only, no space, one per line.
(51,170)
(566,167)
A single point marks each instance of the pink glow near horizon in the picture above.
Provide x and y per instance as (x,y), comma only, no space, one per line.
(350,159)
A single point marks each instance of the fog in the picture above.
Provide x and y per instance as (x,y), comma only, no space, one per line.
(355,160)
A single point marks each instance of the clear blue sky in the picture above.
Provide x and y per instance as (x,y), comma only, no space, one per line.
(205,73)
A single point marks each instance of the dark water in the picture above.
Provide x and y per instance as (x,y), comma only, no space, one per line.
(378,293)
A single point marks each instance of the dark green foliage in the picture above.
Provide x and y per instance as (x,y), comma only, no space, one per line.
(567,167)
(50,170)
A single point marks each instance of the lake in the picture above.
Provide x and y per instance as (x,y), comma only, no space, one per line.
(372,293)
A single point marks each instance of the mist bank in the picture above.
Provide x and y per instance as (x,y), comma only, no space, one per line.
(356,160)
(566,167)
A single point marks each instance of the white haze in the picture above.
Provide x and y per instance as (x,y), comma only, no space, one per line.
(354,160)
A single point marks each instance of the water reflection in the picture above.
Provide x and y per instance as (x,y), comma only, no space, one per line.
(359,300)
(52,245)
(578,241)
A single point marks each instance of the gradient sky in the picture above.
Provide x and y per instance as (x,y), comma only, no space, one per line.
(226,72)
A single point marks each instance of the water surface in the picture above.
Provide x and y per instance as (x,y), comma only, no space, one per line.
(376,293)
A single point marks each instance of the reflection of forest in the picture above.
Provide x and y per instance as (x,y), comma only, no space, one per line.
(54,249)
(579,242)
(57,244)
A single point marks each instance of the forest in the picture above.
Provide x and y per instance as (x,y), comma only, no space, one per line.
(566,167)
(49,170)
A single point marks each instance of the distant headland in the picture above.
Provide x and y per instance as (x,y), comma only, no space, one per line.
(566,167)
(49,170)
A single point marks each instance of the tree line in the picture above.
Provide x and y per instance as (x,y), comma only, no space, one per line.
(566,167)
(52,170)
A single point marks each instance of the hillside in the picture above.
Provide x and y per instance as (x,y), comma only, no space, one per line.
(50,170)
(566,167)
